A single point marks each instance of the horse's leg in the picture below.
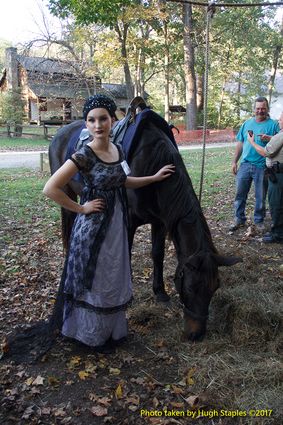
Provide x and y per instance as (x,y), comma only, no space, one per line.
(158,235)
(134,223)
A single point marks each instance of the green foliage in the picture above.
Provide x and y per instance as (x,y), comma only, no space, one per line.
(105,12)
(242,42)
(240,58)
(11,107)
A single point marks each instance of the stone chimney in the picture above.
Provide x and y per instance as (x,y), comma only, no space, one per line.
(12,68)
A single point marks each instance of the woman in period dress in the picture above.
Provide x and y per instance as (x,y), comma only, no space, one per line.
(97,286)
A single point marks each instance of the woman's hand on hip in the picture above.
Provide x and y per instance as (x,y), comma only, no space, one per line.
(96,205)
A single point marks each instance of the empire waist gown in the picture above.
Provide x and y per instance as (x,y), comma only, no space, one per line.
(98,284)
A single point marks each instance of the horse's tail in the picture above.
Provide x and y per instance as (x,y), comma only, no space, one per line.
(67,219)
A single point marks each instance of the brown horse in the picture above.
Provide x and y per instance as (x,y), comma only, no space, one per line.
(170,207)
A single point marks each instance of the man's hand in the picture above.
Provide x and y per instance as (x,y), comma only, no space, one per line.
(264,137)
(234,167)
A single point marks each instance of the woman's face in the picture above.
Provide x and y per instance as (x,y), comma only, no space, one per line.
(99,123)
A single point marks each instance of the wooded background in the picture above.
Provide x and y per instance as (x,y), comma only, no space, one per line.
(158,47)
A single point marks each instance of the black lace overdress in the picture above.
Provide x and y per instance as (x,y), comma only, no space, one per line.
(98,278)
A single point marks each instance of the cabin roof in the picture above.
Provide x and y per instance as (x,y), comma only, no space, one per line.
(45,65)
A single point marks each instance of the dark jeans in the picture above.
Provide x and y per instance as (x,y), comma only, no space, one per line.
(248,173)
(275,199)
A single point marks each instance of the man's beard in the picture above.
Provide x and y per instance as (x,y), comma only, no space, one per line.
(261,115)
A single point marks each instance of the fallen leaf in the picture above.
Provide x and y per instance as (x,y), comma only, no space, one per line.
(74,362)
(155,402)
(39,380)
(114,371)
(28,412)
(83,374)
(99,411)
(105,401)
(90,367)
(177,390)
(139,381)
(59,412)
(66,420)
(54,382)
(29,381)
(46,410)
(134,399)
(119,391)
(128,359)
(189,376)
(192,401)
(177,405)
(161,343)
(133,408)
(146,272)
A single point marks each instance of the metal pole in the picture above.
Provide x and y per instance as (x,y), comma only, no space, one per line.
(209,13)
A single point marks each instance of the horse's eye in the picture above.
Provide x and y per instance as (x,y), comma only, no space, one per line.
(181,274)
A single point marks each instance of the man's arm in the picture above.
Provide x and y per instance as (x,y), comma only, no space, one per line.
(275,145)
(257,147)
(237,156)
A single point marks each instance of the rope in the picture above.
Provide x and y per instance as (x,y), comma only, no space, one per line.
(209,15)
(197,3)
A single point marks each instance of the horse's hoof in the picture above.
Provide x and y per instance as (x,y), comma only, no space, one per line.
(162,298)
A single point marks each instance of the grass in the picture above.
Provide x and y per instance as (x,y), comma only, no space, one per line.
(22,201)
(21,197)
(217,176)
(7,143)
(21,188)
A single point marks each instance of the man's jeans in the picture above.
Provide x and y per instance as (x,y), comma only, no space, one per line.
(275,198)
(246,174)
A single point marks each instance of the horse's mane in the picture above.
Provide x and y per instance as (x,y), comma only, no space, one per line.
(175,196)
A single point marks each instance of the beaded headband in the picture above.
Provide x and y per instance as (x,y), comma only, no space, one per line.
(99,101)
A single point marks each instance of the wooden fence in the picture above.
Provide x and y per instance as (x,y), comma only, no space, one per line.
(29,131)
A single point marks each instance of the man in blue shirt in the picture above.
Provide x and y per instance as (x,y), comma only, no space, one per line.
(252,164)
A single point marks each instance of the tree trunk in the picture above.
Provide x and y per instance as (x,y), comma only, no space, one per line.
(139,74)
(122,35)
(200,94)
(239,89)
(166,74)
(189,69)
(221,103)
(276,56)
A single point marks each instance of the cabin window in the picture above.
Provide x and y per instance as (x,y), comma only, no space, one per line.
(42,104)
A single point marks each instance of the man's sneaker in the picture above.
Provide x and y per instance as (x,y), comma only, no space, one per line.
(236,226)
(270,238)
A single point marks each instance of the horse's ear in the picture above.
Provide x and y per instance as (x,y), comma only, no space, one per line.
(196,260)
(226,261)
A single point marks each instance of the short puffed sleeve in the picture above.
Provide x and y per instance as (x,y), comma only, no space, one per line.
(82,160)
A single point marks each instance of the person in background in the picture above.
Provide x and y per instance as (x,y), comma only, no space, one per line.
(273,152)
(252,164)
(97,273)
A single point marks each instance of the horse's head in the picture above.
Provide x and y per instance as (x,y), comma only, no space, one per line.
(196,281)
